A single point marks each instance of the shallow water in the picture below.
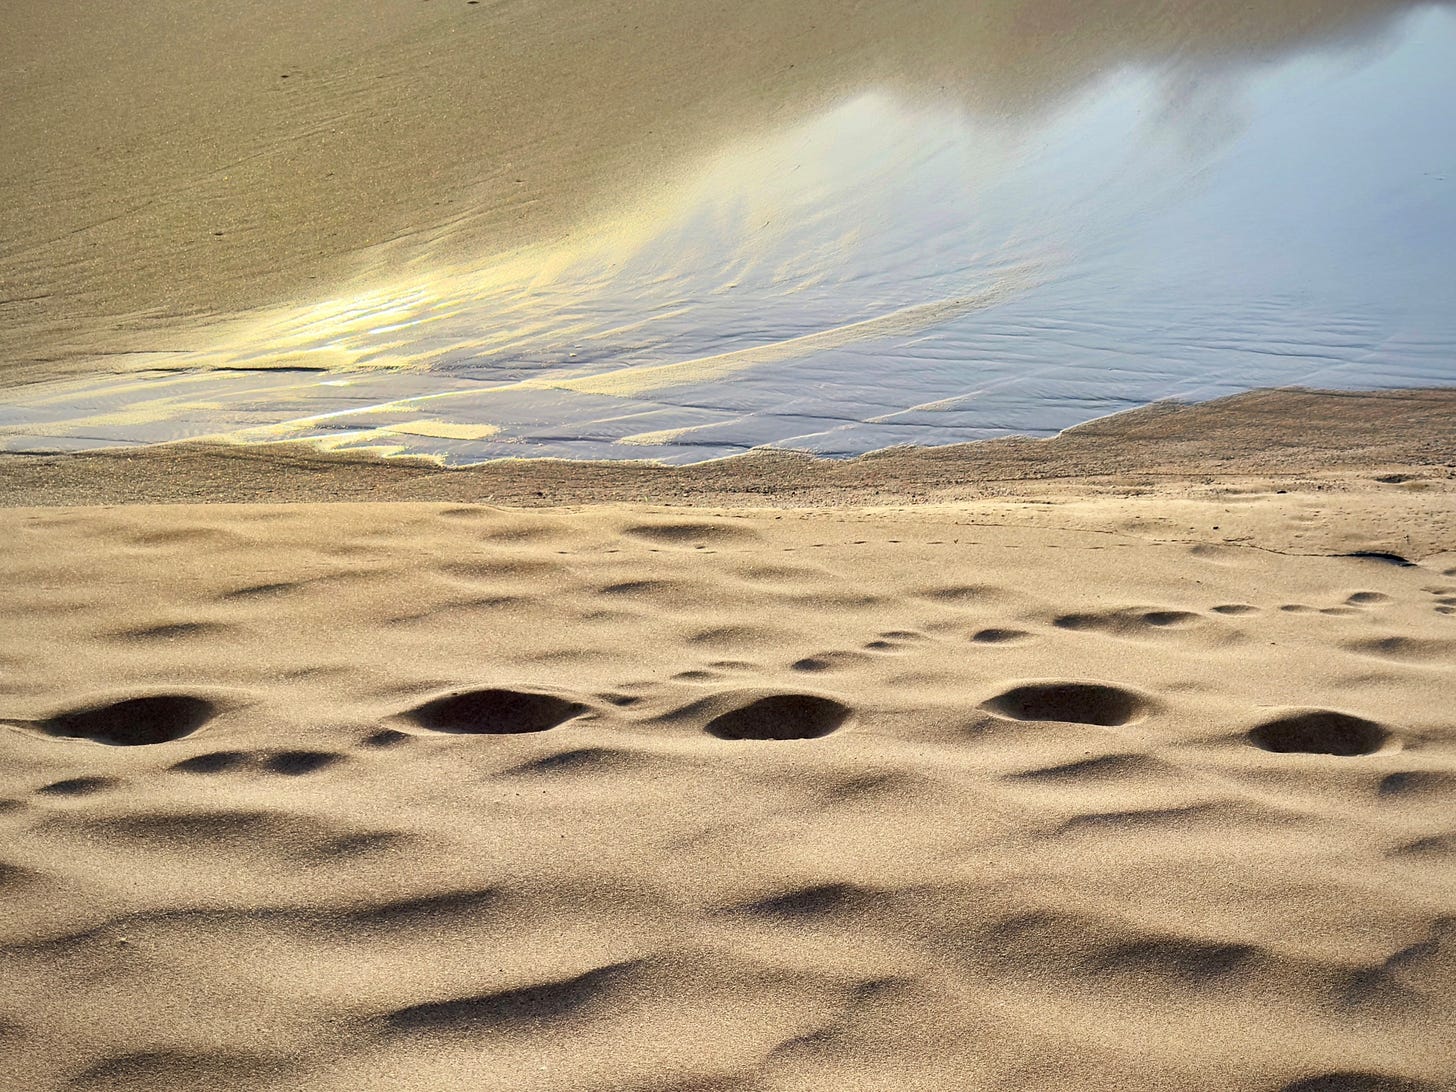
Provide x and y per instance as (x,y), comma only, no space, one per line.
(893,271)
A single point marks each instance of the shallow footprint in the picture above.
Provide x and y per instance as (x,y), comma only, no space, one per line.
(495,712)
(1320,732)
(781,717)
(1069,702)
(135,722)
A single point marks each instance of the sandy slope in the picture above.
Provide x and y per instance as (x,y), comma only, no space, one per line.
(1038,839)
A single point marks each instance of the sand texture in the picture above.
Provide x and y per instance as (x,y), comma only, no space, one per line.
(1110,793)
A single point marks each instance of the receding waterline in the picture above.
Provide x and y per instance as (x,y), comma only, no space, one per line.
(890,273)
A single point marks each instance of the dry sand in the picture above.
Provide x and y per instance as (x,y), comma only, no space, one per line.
(1130,783)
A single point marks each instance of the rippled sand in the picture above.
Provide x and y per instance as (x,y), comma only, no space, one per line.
(1109,793)
(1118,760)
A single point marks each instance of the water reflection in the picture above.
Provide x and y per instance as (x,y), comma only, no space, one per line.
(895,272)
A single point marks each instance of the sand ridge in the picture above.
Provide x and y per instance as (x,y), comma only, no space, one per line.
(997,795)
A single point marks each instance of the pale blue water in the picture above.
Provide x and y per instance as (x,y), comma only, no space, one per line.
(895,272)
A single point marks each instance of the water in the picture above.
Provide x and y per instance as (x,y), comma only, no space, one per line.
(892,271)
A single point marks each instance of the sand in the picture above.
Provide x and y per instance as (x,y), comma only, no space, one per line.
(1119,761)
(168,165)
(1130,785)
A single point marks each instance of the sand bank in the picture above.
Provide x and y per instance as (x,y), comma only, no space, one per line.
(1099,792)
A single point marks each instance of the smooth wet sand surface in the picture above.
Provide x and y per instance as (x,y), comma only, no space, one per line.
(1113,792)
(265,146)
(673,232)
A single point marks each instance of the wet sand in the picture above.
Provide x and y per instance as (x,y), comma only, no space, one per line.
(1282,437)
(280,151)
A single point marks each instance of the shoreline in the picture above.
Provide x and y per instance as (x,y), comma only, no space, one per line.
(1278,434)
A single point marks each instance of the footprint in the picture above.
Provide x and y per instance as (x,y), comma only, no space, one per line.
(1127,622)
(998,636)
(690,533)
(958,594)
(1367,599)
(134,722)
(1383,557)
(1069,702)
(829,661)
(385,737)
(781,717)
(293,763)
(538,1006)
(811,903)
(78,786)
(1350,1080)
(1101,768)
(581,760)
(495,712)
(171,631)
(1234,609)
(1184,960)
(153,1069)
(881,646)
(297,763)
(696,675)
(1320,732)
(212,762)
(1407,649)
(1405,783)
(258,591)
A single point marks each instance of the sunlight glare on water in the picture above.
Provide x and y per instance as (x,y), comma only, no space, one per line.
(892,272)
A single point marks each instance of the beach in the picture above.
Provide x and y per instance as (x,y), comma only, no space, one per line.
(1143,791)
(668,547)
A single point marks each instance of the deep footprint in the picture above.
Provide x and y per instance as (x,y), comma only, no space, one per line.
(134,722)
(781,717)
(495,712)
(1320,732)
(1070,702)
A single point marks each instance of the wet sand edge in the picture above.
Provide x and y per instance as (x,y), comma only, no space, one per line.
(1279,434)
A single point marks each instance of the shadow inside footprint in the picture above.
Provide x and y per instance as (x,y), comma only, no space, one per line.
(1320,732)
(1070,702)
(78,786)
(781,717)
(1356,1081)
(159,718)
(298,763)
(806,903)
(495,712)
(212,762)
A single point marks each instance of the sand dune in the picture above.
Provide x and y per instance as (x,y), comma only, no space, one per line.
(1098,793)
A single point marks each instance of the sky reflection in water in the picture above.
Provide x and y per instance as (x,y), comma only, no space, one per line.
(889,273)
